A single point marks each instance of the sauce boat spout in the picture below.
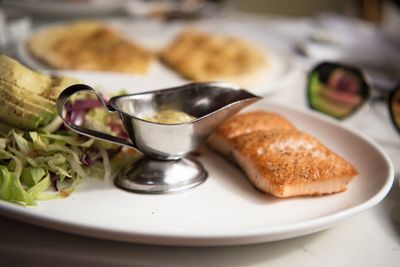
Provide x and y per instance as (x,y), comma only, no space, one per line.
(227,102)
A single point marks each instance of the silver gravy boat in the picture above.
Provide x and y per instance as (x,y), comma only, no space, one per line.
(166,165)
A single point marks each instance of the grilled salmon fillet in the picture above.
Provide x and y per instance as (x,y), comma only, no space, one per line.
(245,123)
(287,163)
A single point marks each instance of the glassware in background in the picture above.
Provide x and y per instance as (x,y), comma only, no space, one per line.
(11,32)
(340,90)
(4,39)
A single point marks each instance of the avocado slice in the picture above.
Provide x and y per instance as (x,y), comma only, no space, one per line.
(18,117)
(57,86)
(27,98)
(23,102)
(46,104)
(17,74)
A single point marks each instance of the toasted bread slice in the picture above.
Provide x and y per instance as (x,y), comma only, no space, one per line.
(245,123)
(201,56)
(89,45)
(287,163)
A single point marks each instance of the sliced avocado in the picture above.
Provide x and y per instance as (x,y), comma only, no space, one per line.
(16,116)
(46,104)
(27,97)
(58,85)
(25,104)
(19,75)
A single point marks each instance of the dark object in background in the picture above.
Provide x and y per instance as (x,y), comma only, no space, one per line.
(339,90)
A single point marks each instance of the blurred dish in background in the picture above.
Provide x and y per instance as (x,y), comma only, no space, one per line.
(201,57)
(280,72)
(91,46)
(64,8)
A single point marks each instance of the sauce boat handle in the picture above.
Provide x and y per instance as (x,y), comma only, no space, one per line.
(65,96)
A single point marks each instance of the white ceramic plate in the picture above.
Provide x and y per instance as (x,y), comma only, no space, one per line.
(282,71)
(226,209)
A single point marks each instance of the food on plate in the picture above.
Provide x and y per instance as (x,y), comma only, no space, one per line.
(287,163)
(244,123)
(280,160)
(89,45)
(202,56)
(27,98)
(169,116)
(39,158)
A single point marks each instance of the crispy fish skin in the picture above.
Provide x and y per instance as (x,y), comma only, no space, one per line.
(245,123)
(288,163)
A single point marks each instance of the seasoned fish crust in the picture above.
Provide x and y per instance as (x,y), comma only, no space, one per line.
(249,122)
(245,123)
(287,163)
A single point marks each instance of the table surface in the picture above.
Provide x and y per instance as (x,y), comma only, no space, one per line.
(371,238)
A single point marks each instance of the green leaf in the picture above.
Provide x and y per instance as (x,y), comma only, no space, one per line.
(30,176)
(12,190)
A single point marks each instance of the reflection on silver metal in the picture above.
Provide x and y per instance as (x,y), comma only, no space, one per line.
(161,176)
(210,103)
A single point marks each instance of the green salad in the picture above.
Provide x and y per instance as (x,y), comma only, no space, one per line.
(40,158)
(31,163)
(38,165)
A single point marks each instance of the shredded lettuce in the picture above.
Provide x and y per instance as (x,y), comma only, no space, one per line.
(11,188)
(4,129)
(98,119)
(53,126)
(49,163)
(29,160)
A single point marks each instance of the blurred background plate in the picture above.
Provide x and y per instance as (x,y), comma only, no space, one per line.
(283,68)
